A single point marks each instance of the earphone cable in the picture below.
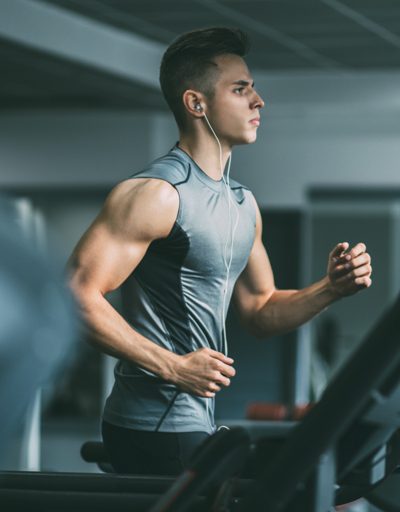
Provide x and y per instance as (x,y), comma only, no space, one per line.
(227,262)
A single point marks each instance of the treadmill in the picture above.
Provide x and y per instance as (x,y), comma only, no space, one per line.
(346,447)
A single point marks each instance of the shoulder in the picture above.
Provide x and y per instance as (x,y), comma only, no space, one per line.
(258,219)
(241,191)
(172,168)
(245,195)
(235,185)
(145,205)
(128,192)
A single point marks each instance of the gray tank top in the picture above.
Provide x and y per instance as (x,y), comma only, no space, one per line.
(174,297)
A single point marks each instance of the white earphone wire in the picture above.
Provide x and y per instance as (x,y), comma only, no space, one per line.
(233,228)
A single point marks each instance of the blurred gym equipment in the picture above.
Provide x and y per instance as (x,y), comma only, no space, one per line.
(38,321)
(346,447)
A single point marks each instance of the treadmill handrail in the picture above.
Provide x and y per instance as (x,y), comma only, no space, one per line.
(344,399)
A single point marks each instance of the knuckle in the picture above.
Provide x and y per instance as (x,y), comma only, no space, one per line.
(216,376)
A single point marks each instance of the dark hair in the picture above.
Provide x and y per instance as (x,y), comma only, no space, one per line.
(188,63)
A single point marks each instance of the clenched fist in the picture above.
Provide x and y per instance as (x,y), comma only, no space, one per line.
(349,270)
(203,372)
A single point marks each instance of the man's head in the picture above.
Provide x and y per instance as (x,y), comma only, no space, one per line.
(190,63)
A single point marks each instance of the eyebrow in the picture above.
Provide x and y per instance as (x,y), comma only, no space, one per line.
(243,82)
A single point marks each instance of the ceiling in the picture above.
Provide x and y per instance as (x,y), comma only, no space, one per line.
(34,79)
(286,35)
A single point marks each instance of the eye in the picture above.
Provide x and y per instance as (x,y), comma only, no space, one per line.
(238,90)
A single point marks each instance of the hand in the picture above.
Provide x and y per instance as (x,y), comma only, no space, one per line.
(203,372)
(349,271)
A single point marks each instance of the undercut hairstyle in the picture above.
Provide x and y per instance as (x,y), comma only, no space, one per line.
(188,63)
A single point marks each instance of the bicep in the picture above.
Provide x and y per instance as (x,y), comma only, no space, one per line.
(111,249)
(102,260)
(255,284)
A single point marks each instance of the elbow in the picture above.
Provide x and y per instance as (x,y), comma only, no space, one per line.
(253,327)
(89,313)
(86,297)
(257,319)
(79,291)
(260,321)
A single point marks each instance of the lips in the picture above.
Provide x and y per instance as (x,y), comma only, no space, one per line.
(255,121)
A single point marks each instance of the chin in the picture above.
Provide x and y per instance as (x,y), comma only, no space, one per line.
(251,136)
(246,139)
(249,140)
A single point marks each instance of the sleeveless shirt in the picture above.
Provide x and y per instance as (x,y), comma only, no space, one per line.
(174,297)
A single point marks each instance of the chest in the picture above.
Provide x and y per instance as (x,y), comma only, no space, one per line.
(218,230)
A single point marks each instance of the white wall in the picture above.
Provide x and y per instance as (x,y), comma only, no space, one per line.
(317,128)
(75,147)
(322,129)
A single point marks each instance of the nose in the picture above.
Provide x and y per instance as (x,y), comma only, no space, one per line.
(258,102)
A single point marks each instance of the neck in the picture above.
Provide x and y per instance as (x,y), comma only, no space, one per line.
(204,150)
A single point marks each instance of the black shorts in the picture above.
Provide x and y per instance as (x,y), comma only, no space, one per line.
(147,452)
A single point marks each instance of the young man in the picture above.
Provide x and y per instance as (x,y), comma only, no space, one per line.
(180,243)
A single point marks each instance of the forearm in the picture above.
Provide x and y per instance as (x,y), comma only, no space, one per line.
(286,310)
(114,336)
(202,372)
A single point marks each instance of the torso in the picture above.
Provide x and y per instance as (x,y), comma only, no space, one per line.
(175,295)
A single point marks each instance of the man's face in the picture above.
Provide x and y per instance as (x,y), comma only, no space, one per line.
(234,110)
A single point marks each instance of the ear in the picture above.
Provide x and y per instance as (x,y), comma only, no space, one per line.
(191,100)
